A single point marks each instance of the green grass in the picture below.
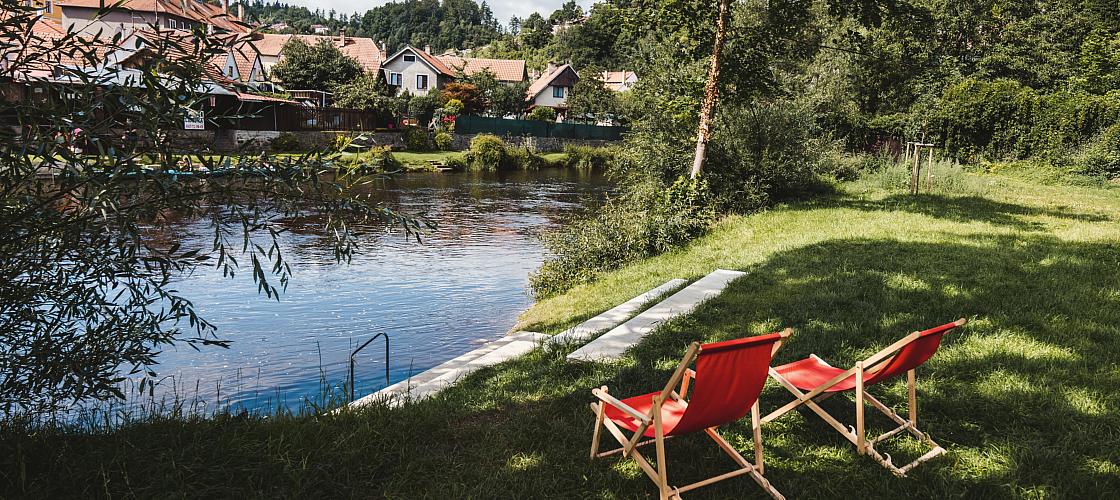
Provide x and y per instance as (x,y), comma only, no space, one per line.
(420,160)
(1024,398)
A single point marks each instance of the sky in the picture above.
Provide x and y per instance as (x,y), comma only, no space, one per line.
(503,9)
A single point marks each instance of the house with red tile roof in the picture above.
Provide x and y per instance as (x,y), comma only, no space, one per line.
(364,50)
(418,71)
(552,88)
(84,16)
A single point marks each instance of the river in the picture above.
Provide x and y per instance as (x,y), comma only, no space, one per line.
(464,285)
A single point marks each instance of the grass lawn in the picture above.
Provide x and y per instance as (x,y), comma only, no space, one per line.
(1025,398)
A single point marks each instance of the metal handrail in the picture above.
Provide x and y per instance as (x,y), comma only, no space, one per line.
(355,353)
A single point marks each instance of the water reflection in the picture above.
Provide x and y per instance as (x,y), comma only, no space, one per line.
(465,284)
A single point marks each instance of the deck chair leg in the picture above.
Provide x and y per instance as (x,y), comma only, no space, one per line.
(659,435)
(745,468)
(849,435)
(911,390)
(613,429)
(861,438)
(908,426)
(599,416)
(756,426)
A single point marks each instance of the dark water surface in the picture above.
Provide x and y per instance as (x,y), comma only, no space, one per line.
(465,284)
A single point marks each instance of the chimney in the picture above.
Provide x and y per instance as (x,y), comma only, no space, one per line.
(428,49)
(384,49)
(342,37)
(551,67)
(225,7)
(241,10)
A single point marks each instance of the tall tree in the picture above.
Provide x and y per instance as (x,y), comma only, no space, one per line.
(711,93)
(316,67)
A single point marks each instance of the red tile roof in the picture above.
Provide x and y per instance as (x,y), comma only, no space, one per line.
(506,70)
(543,82)
(364,50)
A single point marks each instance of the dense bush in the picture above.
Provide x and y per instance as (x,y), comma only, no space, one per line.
(761,152)
(487,152)
(286,142)
(623,231)
(1004,119)
(588,157)
(444,141)
(1099,157)
(417,139)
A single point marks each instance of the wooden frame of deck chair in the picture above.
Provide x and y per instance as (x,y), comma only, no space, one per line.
(728,379)
(822,381)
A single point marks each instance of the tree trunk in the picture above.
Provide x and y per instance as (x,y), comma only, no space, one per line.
(711,93)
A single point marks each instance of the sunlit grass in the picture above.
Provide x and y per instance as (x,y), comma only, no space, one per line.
(1024,398)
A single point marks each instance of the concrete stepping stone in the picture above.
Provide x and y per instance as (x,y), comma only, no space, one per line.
(446,374)
(614,316)
(611,345)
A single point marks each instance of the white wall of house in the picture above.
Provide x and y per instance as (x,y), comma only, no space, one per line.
(409,71)
(268,61)
(548,97)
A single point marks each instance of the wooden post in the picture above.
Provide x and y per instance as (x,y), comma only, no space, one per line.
(916,171)
(912,390)
(929,172)
(659,435)
(861,442)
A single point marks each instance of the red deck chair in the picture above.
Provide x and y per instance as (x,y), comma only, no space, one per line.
(725,386)
(822,381)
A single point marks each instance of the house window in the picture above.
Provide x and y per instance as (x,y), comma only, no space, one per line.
(409,58)
(421,82)
(172,24)
(395,79)
(558,92)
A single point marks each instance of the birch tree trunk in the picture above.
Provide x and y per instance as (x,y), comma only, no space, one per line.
(711,93)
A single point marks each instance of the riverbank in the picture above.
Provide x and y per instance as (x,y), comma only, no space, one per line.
(1022,398)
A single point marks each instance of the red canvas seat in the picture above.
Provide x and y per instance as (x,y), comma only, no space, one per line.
(822,380)
(728,379)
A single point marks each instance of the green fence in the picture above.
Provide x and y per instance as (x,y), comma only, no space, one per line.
(503,127)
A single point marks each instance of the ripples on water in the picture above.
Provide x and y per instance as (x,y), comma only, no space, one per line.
(465,284)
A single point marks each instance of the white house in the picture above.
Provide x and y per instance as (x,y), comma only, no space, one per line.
(418,71)
(553,87)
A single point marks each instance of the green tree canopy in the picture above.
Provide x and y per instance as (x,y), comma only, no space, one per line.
(314,67)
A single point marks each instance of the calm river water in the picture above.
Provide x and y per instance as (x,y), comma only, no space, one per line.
(465,284)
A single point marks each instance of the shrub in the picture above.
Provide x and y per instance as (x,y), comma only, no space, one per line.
(1100,157)
(444,141)
(624,231)
(454,106)
(588,157)
(1005,119)
(542,114)
(524,159)
(381,159)
(417,139)
(487,152)
(285,142)
(763,152)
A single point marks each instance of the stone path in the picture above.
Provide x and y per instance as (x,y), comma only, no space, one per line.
(614,316)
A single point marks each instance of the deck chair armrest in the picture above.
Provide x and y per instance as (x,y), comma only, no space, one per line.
(627,409)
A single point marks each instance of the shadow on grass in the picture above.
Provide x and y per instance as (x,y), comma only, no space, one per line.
(967,209)
(1023,398)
